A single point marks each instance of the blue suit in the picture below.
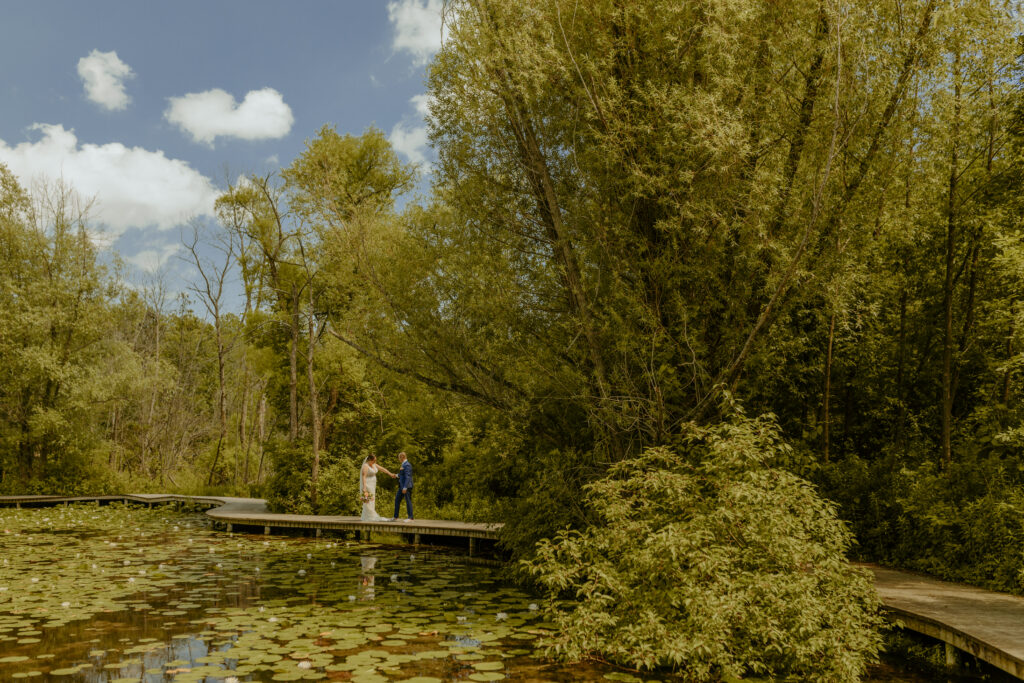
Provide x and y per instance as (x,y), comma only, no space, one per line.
(404,482)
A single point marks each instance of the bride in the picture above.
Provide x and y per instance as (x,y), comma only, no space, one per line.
(368,488)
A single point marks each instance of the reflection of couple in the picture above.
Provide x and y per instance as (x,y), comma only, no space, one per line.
(368,487)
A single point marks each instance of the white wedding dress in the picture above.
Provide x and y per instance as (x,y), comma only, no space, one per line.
(369,484)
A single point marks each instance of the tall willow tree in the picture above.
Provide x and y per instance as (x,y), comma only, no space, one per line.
(629,196)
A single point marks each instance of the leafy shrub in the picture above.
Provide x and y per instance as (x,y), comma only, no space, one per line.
(713,564)
(287,489)
(963,523)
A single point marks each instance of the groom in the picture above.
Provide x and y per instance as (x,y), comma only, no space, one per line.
(404,486)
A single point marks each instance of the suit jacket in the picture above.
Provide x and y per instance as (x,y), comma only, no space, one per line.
(405,476)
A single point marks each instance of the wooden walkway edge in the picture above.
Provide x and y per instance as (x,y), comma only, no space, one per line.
(986,624)
(252,512)
(983,623)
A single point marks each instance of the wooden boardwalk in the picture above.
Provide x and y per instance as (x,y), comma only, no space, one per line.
(986,624)
(252,513)
(983,623)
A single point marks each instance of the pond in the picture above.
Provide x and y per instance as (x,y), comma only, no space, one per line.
(118,594)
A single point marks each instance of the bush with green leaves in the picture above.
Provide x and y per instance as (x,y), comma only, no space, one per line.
(964,522)
(710,561)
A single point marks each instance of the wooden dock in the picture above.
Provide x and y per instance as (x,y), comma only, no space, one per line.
(983,623)
(986,624)
(251,514)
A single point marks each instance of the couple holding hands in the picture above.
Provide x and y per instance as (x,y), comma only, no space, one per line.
(368,487)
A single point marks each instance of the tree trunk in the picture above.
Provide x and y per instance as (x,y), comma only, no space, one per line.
(293,371)
(828,387)
(901,408)
(314,401)
(950,283)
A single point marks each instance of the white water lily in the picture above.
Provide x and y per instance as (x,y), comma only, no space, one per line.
(65,604)
(351,598)
(272,619)
(460,619)
(257,570)
(305,664)
(126,562)
(533,607)
(211,548)
(302,572)
(261,608)
(3,588)
(131,579)
(394,578)
(142,572)
(309,556)
(501,616)
(231,679)
(34,579)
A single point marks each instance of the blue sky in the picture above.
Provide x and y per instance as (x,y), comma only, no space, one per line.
(148,106)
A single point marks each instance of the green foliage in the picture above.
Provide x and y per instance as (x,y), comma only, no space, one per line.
(964,523)
(711,561)
(287,489)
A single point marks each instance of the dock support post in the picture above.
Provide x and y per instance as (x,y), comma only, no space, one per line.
(266,531)
(472,546)
(17,505)
(318,532)
(415,539)
(952,657)
(229,527)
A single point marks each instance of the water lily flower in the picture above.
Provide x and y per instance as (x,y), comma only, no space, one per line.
(272,619)
(131,579)
(127,562)
(302,572)
(501,616)
(460,619)
(351,598)
(231,679)
(35,579)
(65,604)
(309,556)
(261,608)
(257,570)
(394,578)
(533,607)
(305,664)
(3,588)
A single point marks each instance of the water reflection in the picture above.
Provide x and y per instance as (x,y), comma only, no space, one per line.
(366,578)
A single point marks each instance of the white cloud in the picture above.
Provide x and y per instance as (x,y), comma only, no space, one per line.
(207,115)
(103,74)
(411,142)
(422,103)
(151,260)
(133,187)
(417,27)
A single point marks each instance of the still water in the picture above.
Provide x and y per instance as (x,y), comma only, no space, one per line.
(116,594)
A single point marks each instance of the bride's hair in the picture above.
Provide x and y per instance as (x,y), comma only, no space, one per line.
(371,457)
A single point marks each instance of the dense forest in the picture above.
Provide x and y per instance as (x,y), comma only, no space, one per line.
(702,296)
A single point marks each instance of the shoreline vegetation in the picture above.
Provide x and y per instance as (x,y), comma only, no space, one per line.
(701,300)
